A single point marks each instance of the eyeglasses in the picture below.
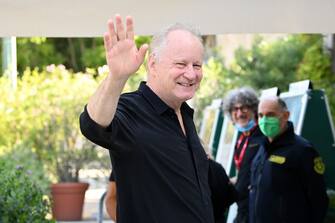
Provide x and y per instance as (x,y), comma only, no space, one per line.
(243,109)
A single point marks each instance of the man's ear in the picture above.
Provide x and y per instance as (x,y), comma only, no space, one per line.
(151,64)
(286,115)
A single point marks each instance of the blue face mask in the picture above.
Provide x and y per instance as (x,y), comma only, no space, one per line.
(246,128)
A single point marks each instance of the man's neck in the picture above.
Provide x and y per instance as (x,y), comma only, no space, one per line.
(180,119)
(247,133)
(172,104)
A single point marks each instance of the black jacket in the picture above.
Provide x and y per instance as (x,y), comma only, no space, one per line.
(243,178)
(223,193)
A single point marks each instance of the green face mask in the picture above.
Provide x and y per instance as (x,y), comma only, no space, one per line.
(269,126)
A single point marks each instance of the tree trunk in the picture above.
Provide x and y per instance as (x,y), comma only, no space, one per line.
(72,52)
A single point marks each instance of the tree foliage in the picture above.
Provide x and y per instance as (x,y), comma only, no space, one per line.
(76,54)
(290,59)
(37,52)
(267,65)
(316,66)
(42,116)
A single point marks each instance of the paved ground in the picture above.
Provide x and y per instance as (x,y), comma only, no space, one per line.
(91,205)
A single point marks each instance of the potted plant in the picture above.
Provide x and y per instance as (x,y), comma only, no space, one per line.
(68,193)
(71,153)
(41,116)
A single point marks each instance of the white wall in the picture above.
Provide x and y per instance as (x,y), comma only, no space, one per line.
(87,18)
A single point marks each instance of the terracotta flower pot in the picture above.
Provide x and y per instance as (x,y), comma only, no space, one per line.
(68,200)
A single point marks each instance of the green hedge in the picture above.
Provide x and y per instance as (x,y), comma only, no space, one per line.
(21,200)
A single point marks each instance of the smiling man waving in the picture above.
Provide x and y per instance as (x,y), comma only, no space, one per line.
(160,167)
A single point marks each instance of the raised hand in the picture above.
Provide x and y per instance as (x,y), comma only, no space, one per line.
(123,57)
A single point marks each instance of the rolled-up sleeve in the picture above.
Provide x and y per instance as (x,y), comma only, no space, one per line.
(94,132)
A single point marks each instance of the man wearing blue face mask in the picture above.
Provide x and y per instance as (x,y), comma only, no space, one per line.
(287,182)
(241,106)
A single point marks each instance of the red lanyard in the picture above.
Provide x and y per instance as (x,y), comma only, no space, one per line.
(238,159)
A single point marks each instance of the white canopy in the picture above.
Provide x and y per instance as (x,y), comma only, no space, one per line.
(87,18)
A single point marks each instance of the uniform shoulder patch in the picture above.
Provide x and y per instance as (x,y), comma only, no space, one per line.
(277,159)
(319,166)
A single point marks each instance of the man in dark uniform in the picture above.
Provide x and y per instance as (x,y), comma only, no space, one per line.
(287,183)
(241,105)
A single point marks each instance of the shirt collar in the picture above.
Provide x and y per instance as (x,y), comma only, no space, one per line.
(158,104)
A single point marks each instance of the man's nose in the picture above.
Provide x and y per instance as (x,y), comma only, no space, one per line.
(239,112)
(190,72)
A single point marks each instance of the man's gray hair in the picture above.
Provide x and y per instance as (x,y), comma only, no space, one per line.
(159,40)
(245,96)
(280,102)
(282,105)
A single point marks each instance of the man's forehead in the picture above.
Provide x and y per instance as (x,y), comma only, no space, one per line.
(268,104)
(179,51)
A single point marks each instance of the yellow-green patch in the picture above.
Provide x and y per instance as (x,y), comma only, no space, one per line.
(319,166)
(277,159)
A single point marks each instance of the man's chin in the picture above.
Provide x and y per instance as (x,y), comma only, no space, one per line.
(185,96)
(189,97)
(243,124)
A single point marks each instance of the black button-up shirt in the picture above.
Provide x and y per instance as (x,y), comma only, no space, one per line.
(161,174)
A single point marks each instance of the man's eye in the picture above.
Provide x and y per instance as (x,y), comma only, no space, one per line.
(197,66)
(180,65)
